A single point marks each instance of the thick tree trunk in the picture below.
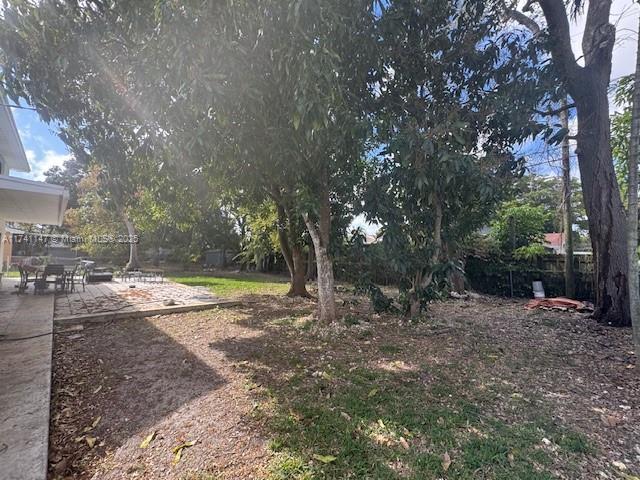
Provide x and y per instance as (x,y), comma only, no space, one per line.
(320,235)
(299,275)
(134,261)
(588,87)
(632,227)
(293,257)
(607,222)
(567,217)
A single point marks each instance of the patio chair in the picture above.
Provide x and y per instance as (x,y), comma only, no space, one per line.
(55,270)
(77,277)
(24,278)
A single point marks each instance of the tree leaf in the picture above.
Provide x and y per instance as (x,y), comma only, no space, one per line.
(147,440)
(446,461)
(324,458)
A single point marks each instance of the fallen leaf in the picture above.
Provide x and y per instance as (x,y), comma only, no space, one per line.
(446,461)
(345,415)
(404,443)
(372,392)
(324,458)
(95,423)
(381,423)
(147,440)
(91,441)
(177,451)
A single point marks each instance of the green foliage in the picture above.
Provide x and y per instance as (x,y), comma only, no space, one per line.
(621,132)
(546,191)
(529,252)
(518,225)
(445,160)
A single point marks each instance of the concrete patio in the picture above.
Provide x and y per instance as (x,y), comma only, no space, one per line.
(120,299)
(26,324)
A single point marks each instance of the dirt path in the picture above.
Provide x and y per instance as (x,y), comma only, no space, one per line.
(221,378)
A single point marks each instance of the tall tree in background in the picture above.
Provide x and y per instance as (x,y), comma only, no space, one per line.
(588,88)
(567,213)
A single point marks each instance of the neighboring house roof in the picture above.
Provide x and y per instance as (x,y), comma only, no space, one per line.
(370,239)
(553,240)
(12,152)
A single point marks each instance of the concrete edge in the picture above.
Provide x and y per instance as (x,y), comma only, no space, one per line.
(108,316)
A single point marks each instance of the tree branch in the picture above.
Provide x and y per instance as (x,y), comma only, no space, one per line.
(523,20)
(558,24)
(551,113)
(599,36)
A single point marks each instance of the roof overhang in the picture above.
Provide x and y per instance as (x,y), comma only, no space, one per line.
(29,201)
(11,150)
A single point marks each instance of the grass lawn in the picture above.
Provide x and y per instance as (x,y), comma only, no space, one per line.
(232,285)
(477,389)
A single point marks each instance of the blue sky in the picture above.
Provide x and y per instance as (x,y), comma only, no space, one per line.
(43,147)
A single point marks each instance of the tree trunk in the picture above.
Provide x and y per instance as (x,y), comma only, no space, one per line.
(588,88)
(423,281)
(298,277)
(320,235)
(293,257)
(312,273)
(632,227)
(134,261)
(569,276)
(605,212)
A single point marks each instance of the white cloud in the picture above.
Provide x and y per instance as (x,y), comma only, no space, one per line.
(50,159)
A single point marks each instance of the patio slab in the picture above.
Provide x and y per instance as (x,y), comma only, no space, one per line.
(26,323)
(118,299)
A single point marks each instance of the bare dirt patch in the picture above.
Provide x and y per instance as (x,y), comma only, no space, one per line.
(235,381)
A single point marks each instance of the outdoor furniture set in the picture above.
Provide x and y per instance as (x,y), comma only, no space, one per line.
(62,277)
(143,275)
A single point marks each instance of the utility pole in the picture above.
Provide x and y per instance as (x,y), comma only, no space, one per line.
(567,215)
(632,213)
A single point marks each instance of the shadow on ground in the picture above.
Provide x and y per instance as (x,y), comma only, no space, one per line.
(123,380)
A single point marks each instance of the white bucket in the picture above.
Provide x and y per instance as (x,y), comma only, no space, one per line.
(538,290)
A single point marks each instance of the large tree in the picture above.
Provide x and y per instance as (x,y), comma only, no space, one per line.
(587,84)
(447,71)
(274,87)
(73,63)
